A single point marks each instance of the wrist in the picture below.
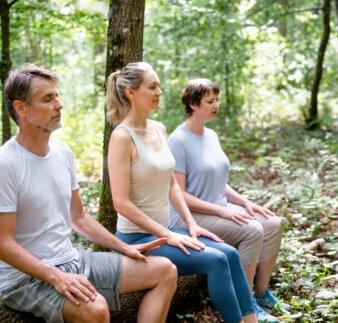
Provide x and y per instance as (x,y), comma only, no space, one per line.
(53,275)
(219,210)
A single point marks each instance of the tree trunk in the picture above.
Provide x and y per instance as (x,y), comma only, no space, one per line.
(312,121)
(283,20)
(5,65)
(124,45)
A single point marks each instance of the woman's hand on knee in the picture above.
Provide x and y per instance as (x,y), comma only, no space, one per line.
(197,231)
(255,209)
(183,242)
(237,216)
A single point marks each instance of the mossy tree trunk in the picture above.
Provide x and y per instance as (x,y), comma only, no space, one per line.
(124,45)
(5,62)
(312,121)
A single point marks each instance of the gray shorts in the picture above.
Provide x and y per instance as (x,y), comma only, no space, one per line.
(102,269)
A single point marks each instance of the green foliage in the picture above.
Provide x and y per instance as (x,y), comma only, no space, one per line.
(295,174)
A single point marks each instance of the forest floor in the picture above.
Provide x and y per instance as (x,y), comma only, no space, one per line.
(295,173)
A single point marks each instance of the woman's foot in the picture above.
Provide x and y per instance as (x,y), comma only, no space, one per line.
(270,302)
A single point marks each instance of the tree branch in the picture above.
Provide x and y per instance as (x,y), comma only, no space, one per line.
(12,3)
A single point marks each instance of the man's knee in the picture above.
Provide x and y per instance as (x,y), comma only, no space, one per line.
(167,271)
(96,311)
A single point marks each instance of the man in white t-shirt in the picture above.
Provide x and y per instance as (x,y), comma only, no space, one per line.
(40,203)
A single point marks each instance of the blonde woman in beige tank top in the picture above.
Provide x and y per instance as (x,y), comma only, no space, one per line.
(142,184)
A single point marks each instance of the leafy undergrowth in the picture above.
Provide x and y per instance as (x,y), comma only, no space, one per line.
(295,173)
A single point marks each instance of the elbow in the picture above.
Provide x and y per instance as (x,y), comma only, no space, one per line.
(119,205)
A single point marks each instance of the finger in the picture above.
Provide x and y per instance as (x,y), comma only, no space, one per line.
(79,294)
(193,234)
(191,245)
(85,282)
(72,299)
(269,212)
(213,236)
(246,215)
(264,215)
(141,257)
(151,245)
(240,220)
(196,242)
(184,249)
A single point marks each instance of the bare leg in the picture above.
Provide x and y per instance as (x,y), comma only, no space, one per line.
(251,318)
(263,274)
(250,271)
(96,311)
(158,275)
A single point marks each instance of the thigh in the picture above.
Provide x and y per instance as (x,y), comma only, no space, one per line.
(198,262)
(105,272)
(37,297)
(139,275)
(229,231)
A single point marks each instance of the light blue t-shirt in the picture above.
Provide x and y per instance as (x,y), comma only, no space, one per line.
(205,165)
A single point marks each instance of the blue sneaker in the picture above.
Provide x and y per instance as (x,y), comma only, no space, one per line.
(270,302)
(262,316)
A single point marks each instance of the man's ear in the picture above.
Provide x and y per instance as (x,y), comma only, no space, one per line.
(20,107)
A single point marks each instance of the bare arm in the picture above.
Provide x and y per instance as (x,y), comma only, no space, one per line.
(200,206)
(75,287)
(94,231)
(251,207)
(177,200)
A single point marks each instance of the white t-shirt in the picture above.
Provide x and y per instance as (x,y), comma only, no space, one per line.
(39,190)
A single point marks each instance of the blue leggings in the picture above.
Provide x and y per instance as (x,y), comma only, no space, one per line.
(227,283)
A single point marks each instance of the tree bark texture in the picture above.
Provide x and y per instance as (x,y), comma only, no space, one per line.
(5,63)
(312,121)
(191,290)
(124,45)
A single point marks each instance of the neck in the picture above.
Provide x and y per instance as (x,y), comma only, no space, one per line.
(35,143)
(136,119)
(195,125)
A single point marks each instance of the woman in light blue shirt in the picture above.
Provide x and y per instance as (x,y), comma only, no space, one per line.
(202,171)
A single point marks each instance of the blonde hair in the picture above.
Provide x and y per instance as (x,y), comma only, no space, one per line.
(131,76)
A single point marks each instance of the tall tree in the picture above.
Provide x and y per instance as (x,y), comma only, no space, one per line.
(312,118)
(5,63)
(124,45)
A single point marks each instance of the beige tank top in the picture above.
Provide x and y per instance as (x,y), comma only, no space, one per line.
(150,180)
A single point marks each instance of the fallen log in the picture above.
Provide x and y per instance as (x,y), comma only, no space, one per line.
(190,290)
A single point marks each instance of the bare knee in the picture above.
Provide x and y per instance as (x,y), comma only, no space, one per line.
(96,311)
(168,269)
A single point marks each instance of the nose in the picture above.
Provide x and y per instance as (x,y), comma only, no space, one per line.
(58,104)
(159,91)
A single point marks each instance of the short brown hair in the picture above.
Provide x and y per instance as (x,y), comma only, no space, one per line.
(18,85)
(194,92)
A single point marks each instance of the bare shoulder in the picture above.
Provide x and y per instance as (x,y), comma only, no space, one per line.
(120,136)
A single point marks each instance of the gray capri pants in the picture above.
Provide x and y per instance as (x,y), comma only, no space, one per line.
(258,239)
(102,269)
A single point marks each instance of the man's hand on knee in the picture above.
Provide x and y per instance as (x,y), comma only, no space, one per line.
(76,288)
